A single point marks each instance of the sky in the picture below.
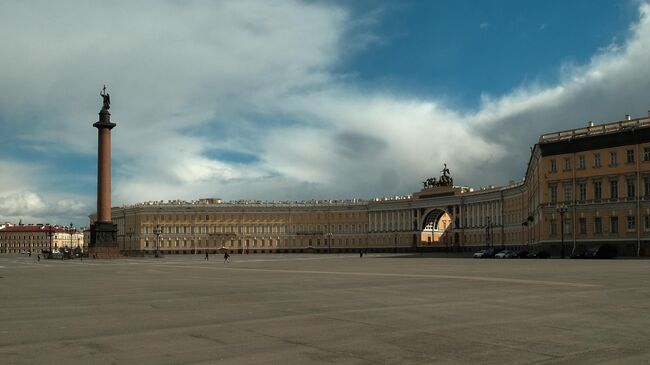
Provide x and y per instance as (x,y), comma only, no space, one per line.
(294,100)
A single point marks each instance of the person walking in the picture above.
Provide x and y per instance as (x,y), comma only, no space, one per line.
(206,256)
(38,258)
(226,257)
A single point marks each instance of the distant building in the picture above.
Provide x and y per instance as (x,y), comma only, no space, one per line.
(598,176)
(34,238)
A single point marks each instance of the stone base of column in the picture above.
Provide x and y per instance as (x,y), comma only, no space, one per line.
(104,253)
(103,241)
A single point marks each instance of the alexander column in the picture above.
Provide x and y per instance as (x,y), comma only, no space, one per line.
(103,233)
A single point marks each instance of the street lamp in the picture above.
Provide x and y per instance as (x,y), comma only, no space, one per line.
(71,230)
(488,237)
(562,209)
(50,234)
(395,242)
(329,242)
(157,231)
(130,234)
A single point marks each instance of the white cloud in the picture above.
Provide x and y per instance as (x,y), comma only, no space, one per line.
(21,203)
(257,77)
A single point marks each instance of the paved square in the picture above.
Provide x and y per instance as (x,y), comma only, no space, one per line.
(324,309)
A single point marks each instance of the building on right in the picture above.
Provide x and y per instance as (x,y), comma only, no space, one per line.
(590,186)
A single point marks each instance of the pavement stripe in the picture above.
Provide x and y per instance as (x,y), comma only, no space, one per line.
(427,276)
(416,276)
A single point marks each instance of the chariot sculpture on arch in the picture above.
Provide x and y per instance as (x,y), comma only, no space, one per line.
(106,98)
(444,180)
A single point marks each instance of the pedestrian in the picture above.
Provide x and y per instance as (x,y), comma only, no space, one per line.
(206,256)
(226,257)
(39,257)
(360,253)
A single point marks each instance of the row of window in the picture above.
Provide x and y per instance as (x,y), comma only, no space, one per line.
(225,217)
(255,229)
(598,225)
(597,190)
(24,244)
(258,243)
(613,159)
(38,237)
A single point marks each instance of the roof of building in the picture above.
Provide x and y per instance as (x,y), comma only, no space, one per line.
(35,228)
(592,130)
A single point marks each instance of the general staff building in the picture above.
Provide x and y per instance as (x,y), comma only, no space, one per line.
(591,185)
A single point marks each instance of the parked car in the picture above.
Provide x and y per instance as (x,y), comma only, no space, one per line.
(580,254)
(603,252)
(505,254)
(522,254)
(490,253)
(479,254)
(600,252)
(539,255)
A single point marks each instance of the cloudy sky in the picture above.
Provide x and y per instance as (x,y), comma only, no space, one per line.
(289,100)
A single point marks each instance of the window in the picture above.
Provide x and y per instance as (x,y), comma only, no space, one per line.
(567,194)
(630,156)
(567,164)
(631,191)
(646,153)
(613,222)
(598,225)
(581,162)
(583,225)
(647,222)
(582,192)
(613,161)
(631,223)
(598,190)
(613,189)
(553,192)
(553,166)
(646,185)
(596,159)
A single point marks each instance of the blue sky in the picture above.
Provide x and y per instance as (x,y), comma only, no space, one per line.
(291,99)
(459,50)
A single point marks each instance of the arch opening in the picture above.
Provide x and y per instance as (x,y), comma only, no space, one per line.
(436,229)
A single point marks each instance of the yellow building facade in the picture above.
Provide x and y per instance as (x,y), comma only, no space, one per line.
(590,184)
(35,238)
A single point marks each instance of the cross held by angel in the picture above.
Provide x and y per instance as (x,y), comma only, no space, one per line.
(106,98)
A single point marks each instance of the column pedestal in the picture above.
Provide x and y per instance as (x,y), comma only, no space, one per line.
(103,240)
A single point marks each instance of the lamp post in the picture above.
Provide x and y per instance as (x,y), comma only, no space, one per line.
(524,224)
(562,209)
(530,220)
(395,239)
(71,230)
(130,234)
(488,238)
(329,242)
(157,231)
(50,234)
